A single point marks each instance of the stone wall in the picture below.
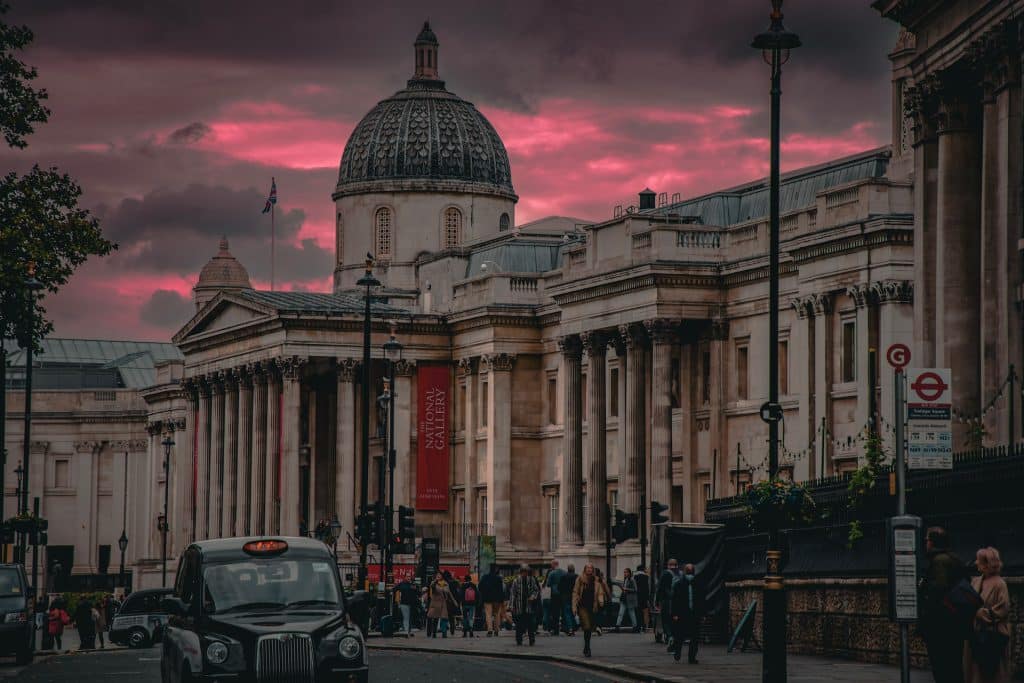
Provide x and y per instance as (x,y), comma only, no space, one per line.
(848,618)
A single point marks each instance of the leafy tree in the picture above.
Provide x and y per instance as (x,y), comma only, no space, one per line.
(42,228)
(21,106)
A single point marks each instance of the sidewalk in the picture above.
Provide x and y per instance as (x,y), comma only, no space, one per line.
(70,643)
(639,657)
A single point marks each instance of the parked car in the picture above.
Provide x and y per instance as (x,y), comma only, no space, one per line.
(141,620)
(258,609)
(17,625)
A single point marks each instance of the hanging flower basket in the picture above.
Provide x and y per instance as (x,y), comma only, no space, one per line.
(22,524)
(779,503)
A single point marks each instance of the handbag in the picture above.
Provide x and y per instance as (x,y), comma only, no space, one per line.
(963,602)
(987,648)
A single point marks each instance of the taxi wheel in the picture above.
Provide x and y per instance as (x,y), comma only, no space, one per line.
(138,638)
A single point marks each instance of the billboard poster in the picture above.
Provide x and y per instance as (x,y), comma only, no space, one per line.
(432,410)
(929,419)
(486,555)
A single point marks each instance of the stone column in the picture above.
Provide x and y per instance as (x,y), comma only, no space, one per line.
(258,488)
(271,513)
(571,485)
(229,503)
(718,337)
(999,62)
(291,435)
(920,103)
(895,325)
(662,334)
(244,439)
(216,476)
(181,477)
(403,431)
(469,476)
(345,458)
(862,300)
(202,485)
(631,484)
(823,369)
(596,345)
(86,453)
(801,355)
(958,257)
(499,445)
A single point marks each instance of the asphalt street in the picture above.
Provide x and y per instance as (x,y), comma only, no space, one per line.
(144,667)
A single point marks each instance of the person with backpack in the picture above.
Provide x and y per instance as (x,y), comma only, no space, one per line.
(938,623)
(57,619)
(469,599)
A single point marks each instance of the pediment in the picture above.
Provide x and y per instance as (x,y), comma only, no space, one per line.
(224,311)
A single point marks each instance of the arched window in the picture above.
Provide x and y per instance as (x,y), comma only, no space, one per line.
(503,222)
(382,230)
(339,235)
(452,228)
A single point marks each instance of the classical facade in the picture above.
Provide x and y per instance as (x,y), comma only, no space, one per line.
(561,369)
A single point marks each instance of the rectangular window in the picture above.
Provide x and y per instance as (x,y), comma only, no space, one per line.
(553,522)
(849,350)
(553,400)
(483,509)
(741,372)
(784,368)
(707,491)
(674,383)
(460,408)
(613,393)
(613,501)
(484,403)
(705,376)
(61,474)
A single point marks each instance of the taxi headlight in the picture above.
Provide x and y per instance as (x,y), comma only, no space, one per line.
(15,617)
(217,653)
(349,647)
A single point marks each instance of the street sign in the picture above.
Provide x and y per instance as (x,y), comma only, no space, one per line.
(929,419)
(904,557)
(898,356)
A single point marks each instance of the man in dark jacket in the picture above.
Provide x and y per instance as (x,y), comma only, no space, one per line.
(555,608)
(943,636)
(664,600)
(492,593)
(643,596)
(456,590)
(687,608)
(565,587)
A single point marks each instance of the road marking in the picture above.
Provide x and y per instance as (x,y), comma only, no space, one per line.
(149,659)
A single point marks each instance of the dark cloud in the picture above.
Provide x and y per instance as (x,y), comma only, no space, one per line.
(167,308)
(193,132)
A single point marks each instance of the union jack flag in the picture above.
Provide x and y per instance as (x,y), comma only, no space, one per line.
(272,199)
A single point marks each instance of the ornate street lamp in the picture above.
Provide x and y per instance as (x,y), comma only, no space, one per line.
(19,549)
(369,282)
(775,45)
(168,444)
(393,354)
(122,544)
(32,286)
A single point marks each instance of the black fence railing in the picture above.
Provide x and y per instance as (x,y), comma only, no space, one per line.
(455,537)
(979,502)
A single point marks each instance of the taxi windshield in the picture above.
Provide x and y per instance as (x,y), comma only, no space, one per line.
(271,583)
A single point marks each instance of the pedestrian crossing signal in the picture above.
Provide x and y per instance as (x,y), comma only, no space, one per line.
(656,513)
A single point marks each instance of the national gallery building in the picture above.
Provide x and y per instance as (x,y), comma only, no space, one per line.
(576,367)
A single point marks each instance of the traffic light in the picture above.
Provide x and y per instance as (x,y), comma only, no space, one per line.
(656,510)
(625,526)
(366,527)
(406,530)
(6,534)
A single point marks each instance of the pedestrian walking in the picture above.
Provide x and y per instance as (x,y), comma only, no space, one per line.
(57,619)
(607,591)
(470,597)
(442,607)
(555,601)
(456,589)
(628,602)
(42,609)
(687,608)
(523,596)
(643,597)
(588,597)
(99,615)
(566,585)
(492,592)
(939,626)
(86,625)
(987,655)
(664,600)
(407,598)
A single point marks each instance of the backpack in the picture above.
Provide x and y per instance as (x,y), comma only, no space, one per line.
(469,595)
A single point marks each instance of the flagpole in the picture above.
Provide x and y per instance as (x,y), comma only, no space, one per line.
(273,210)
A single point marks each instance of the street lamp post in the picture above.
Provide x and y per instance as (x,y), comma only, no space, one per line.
(393,354)
(369,282)
(775,45)
(335,533)
(19,473)
(32,285)
(122,544)
(168,444)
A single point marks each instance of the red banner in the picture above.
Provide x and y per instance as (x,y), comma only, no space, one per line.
(404,572)
(433,406)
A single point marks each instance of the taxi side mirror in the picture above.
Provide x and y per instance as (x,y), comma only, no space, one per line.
(174,606)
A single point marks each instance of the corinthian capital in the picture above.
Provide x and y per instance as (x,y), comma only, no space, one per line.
(860,293)
(571,346)
(661,330)
(404,367)
(498,362)
(594,343)
(291,367)
(894,291)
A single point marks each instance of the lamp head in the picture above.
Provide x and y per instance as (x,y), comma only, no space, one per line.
(122,542)
(392,347)
(776,37)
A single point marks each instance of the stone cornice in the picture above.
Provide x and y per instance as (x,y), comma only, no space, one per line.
(130,445)
(492,318)
(862,240)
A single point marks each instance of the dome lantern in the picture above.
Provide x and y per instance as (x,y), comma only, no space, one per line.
(426,54)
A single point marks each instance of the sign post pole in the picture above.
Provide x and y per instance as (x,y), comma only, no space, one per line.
(898,356)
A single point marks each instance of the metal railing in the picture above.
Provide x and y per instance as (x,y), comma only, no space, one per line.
(455,537)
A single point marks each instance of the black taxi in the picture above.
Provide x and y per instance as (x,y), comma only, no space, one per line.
(260,609)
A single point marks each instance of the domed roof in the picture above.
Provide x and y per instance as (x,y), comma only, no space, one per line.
(425,138)
(223,271)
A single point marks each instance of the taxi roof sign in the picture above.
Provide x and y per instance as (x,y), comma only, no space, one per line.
(267,547)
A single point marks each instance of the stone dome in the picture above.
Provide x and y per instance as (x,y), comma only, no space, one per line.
(223,272)
(425,138)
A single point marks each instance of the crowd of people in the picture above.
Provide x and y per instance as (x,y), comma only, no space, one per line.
(91,620)
(560,602)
